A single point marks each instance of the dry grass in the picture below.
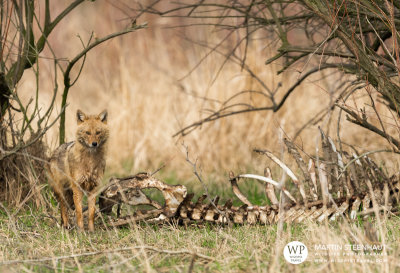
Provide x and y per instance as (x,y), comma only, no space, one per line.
(33,242)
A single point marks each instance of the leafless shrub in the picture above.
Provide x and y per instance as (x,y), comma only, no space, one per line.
(356,41)
(24,35)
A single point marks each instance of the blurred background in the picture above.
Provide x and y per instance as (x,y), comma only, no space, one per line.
(156,81)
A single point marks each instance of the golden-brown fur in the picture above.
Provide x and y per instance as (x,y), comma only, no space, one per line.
(77,167)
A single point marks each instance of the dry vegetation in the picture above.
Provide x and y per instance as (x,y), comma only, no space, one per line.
(37,244)
(143,80)
(153,84)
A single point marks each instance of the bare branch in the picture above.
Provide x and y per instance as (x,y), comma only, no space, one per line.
(67,83)
(198,176)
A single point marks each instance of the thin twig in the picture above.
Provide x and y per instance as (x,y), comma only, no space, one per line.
(361,156)
(194,165)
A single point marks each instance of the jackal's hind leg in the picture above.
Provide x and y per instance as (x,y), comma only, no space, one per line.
(64,210)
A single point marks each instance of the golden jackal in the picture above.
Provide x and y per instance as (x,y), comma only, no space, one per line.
(78,166)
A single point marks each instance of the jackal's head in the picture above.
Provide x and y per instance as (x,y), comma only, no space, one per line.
(92,129)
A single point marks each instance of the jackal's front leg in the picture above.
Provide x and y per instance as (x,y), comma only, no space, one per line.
(77,194)
(91,208)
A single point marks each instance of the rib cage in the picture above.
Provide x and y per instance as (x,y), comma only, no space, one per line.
(338,185)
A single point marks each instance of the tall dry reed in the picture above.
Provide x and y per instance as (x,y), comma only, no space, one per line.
(155,81)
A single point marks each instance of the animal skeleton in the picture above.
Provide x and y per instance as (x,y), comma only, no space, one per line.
(330,190)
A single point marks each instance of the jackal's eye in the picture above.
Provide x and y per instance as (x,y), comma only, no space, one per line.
(87,132)
(97,132)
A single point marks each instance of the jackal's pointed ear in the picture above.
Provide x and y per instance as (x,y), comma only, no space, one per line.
(80,116)
(103,116)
